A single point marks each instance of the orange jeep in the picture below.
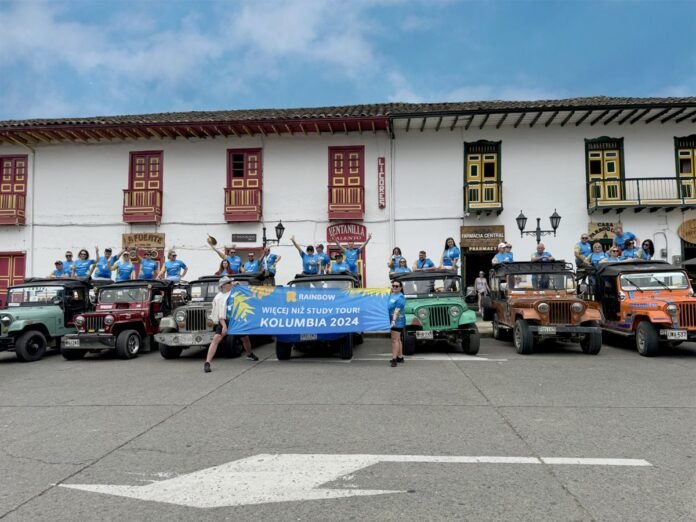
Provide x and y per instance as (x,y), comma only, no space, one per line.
(536,301)
(649,301)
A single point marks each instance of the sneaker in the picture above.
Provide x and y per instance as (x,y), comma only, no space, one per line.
(393,363)
(206,367)
(399,359)
(252,357)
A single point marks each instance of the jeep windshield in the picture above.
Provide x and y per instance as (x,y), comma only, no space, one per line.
(435,285)
(341,284)
(543,281)
(654,281)
(207,291)
(123,295)
(34,295)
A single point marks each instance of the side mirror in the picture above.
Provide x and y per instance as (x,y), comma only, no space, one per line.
(503,287)
(157,298)
(57,300)
(583,288)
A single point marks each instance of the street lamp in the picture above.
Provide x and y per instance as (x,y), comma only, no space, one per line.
(279,229)
(522,223)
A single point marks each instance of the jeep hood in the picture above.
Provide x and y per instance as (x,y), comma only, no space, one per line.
(32,312)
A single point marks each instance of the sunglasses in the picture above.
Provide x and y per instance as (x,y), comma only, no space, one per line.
(396,286)
(613,250)
(584,238)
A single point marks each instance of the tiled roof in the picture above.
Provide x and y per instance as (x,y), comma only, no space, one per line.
(382,110)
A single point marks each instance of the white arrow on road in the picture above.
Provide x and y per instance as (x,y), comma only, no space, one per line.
(263,479)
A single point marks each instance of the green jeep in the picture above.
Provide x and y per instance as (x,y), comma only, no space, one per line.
(436,311)
(40,312)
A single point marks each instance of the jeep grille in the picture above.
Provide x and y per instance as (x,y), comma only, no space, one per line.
(687,315)
(559,313)
(439,316)
(94,323)
(196,319)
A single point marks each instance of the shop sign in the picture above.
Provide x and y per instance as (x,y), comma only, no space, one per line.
(346,233)
(598,231)
(381,182)
(244,238)
(482,238)
(687,231)
(149,240)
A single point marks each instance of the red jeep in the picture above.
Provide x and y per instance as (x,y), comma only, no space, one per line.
(127,315)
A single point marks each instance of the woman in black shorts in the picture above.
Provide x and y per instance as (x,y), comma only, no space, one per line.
(397,305)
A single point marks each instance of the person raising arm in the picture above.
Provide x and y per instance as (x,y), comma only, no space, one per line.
(352,253)
(310,261)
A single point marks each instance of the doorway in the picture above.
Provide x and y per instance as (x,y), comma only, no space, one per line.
(475,262)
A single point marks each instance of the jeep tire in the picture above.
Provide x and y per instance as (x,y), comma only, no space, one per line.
(471,342)
(408,343)
(647,342)
(487,309)
(523,338)
(499,334)
(30,346)
(128,344)
(170,352)
(283,351)
(347,347)
(231,346)
(70,354)
(591,343)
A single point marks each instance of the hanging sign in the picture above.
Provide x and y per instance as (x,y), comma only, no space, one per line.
(381,182)
(148,240)
(482,238)
(687,231)
(346,233)
(598,231)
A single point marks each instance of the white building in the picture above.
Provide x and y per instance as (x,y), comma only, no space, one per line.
(410,174)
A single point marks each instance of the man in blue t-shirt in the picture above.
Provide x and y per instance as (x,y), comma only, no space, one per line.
(582,249)
(352,253)
(173,268)
(149,266)
(268,265)
(103,263)
(310,261)
(541,254)
(423,262)
(252,264)
(324,259)
(339,266)
(68,264)
(232,258)
(58,271)
(621,237)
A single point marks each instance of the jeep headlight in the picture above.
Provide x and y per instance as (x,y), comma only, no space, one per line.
(577,308)
(79,321)
(209,321)
(423,313)
(672,309)
(543,308)
(6,320)
(455,311)
(109,320)
(180,317)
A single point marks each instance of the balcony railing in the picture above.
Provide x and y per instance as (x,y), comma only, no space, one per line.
(142,206)
(346,202)
(243,204)
(483,196)
(641,193)
(12,209)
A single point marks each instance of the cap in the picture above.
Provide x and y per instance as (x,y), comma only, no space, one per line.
(223,281)
(501,245)
(59,262)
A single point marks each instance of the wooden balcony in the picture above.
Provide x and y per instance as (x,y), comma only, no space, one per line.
(243,204)
(12,209)
(640,194)
(346,202)
(142,206)
(483,197)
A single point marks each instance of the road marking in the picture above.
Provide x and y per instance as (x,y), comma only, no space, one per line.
(263,479)
(384,357)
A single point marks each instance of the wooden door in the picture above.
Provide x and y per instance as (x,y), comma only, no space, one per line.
(346,182)
(605,175)
(146,171)
(13,188)
(244,169)
(12,270)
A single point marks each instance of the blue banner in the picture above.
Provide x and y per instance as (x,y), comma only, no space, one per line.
(268,310)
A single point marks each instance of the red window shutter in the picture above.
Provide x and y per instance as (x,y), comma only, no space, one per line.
(346,182)
(244,190)
(142,201)
(13,189)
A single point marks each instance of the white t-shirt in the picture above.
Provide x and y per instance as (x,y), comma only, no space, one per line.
(219,310)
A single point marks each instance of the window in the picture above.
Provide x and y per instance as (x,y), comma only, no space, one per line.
(604,169)
(142,201)
(686,165)
(346,182)
(13,189)
(243,201)
(483,189)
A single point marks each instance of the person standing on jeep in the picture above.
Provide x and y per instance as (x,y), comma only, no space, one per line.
(621,237)
(423,262)
(84,266)
(541,254)
(232,258)
(582,250)
(324,259)
(310,261)
(450,255)
(252,265)
(125,270)
(629,251)
(352,253)
(597,255)
(68,264)
(397,313)
(149,266)
(58,271)
(268,264)
(504,254)
(104,263)
(173,268)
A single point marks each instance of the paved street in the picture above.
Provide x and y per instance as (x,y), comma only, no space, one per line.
(326,439)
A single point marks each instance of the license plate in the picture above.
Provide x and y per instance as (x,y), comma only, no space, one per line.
(424,334)
(547,330)
(186,339)
(674,335)
(71,343)
(308,337)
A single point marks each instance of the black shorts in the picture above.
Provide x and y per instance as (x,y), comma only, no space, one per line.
(218,329)
(397,329)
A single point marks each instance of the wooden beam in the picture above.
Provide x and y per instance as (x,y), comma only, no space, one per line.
(64,134)
(454,123)
(26,136)
(374,129)
(485,119)
(640,115)
(553,117)
(677,113)
(179,133)
(501,121)
(655,116)
(360,129)
(248,130)
(275,129)
(567,118)
(468,124)
(519,120)
(38,137)
(316,128)
(408,124)
(423,123)
(437,125)
(75,134)
(206,131)
(303,129)
(582,118)
(287,127)
(685,117)
(154,133)
(140,133)
(219,132)
(331,128)
(15,140)
(345,128)
(536,118)
(601,115)
(613,116)
(261,129)
(233,130)
(627,117)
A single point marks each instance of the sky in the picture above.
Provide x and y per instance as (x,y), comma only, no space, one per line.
(108,57)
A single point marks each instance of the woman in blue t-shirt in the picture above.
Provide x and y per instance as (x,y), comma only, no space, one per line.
(402,266)
(125,270)
(647,250)
(397,314)
(450,256)
(394,259)
(597,255)
(84,266)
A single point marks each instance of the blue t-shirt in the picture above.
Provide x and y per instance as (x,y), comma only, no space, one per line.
(103,264)
(268,263)
(585,248)
(397,301)
(620,239)
(124,271)
(310,263)
(504,257)
(339,268)
(596,257)
(394,261)
(424,263)
(82,267)
(324,261)
(147,269)
(401,269)
(351,256)
(252,266)
(613,259)
(644,255)
(58,273)
(67,267)
(629,253)
(541,257)
(235,263)
(449,255)
(174,268)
